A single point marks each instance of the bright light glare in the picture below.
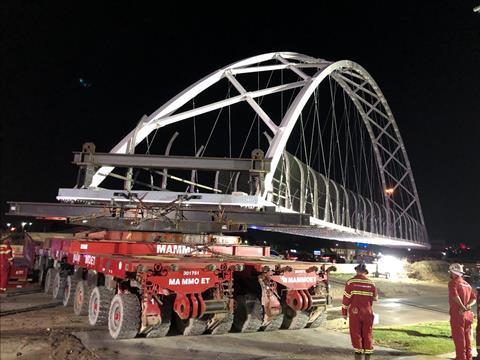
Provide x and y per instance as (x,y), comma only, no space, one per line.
(389,191)
(392,265)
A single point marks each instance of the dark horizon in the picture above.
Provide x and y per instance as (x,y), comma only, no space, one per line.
(73,75)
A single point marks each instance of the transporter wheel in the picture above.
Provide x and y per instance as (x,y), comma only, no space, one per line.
(41,277)
(124,316)
(319,321)
(294,319)
(190,327)
(99,305)
(49,277)
(224,326)
(248,316)
(161,329)
(81,299)
(69,292)
(275,324)
(42,269)
(59,283)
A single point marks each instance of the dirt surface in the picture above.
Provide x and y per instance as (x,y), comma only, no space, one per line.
(42,334)
(56,333)
(435,271)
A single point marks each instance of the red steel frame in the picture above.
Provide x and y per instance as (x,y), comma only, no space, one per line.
(188,271)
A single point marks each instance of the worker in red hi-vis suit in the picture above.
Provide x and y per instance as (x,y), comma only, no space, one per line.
(461,298)
(6,260)
(358,296)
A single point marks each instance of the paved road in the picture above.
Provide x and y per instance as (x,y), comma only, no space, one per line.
(307,344)
(402,311)
(425,303)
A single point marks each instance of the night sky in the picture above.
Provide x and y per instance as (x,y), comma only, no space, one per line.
(76,74)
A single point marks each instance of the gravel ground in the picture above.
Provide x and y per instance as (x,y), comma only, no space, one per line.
(43,334)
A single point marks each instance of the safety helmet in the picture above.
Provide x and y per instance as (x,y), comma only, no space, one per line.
(362,268)
(456,269)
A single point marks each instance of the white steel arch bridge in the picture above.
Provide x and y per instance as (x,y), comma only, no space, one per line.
(332,145)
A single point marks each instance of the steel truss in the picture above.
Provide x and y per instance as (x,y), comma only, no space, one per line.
(394,218)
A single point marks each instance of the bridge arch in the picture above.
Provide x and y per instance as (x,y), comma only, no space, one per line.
(356,82)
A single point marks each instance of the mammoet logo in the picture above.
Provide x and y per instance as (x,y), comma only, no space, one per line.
(177,249)
(298,279)
(189,281)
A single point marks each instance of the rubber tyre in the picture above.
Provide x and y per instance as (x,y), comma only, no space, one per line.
(319,321)
(99,305)
(42,269)
(49,277)
(275,324)
(59,283)
(81,299)
(41,277)
(162,329)
(224,326)
(124,316)
(190,327)
(294,319)
(248,315)
(69,291)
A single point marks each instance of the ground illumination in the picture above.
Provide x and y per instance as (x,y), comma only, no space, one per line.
(391,265)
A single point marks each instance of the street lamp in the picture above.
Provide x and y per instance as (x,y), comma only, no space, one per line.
(23,225)
(476,9)
(389,194)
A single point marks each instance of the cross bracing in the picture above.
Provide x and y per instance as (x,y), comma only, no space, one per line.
(334,146)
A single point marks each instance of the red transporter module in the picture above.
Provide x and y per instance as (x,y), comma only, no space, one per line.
(151,283)
(21,270)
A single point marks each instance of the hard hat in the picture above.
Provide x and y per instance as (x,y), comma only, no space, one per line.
(456,269)
(361,268)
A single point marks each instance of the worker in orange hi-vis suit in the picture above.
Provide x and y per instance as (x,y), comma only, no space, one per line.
(358,296)
(6,260)
(461,298)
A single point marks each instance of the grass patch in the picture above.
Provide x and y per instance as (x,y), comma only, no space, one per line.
(427,338)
